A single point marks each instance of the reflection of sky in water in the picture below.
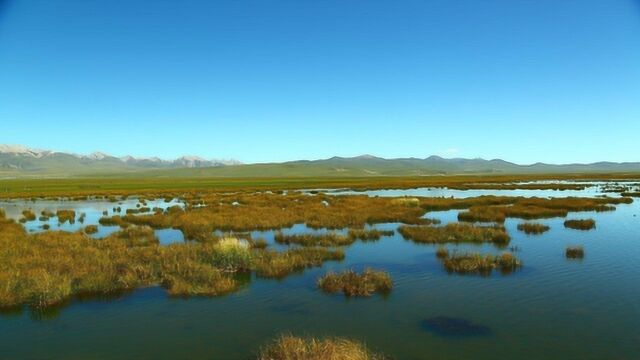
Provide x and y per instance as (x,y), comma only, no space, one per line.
(461,194)
(93,211)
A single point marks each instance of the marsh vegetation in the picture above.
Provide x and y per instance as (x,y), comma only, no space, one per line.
(233,240)
(580,224)
(533,228)
(476,263)
(574,252)
(456,233)
(48,269)
(288,347)
(353,284)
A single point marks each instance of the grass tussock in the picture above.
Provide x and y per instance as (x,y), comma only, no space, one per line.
(28,215)
(273,264)
(476,263)
(289,347)
(328,239)
(66,216)
(90,229)
(584,224)
(533,228)
(574,252)
(352,283)
(456,233)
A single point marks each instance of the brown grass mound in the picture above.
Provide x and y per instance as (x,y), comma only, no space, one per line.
(289,347)
(585,224)
(353,284)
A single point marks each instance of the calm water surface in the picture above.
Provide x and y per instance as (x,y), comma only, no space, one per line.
(553,308)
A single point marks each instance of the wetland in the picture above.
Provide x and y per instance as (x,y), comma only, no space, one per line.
(380,273)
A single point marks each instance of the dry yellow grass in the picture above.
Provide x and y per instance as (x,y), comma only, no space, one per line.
(289,347)
(352,283)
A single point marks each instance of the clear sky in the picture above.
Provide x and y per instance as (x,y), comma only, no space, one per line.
(545,80)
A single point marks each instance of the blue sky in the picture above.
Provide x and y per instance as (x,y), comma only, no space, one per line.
(526,81)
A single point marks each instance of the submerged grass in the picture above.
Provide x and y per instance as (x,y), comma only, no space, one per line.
(289,347)
(456,233)
(533,228)
(574,252)
(352,283)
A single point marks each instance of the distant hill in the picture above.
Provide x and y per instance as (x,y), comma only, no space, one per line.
(23,161)
(20,161)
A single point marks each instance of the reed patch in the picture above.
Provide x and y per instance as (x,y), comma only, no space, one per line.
(581,224)
(533,228)
(476,263)
(288,347)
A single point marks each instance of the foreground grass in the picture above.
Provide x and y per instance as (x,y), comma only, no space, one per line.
(456,233)
(352,283)
(50,268)
(289,347)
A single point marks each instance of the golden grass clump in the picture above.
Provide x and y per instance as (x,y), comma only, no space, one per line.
(475,263)
(47,213)
(289,347)
(442,252)
(584,224)
(115,220)
(353,284)
(28,215)
(90,229)
(273,264)
(533,228)
(66,216)
(574,252)
(456,233)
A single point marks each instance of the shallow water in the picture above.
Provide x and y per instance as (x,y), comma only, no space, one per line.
(553,308)
(93,211)
(595,189)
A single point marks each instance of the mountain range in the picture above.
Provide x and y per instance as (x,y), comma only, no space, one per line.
(21,161)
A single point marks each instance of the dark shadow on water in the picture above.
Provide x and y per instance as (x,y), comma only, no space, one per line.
(454,327)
